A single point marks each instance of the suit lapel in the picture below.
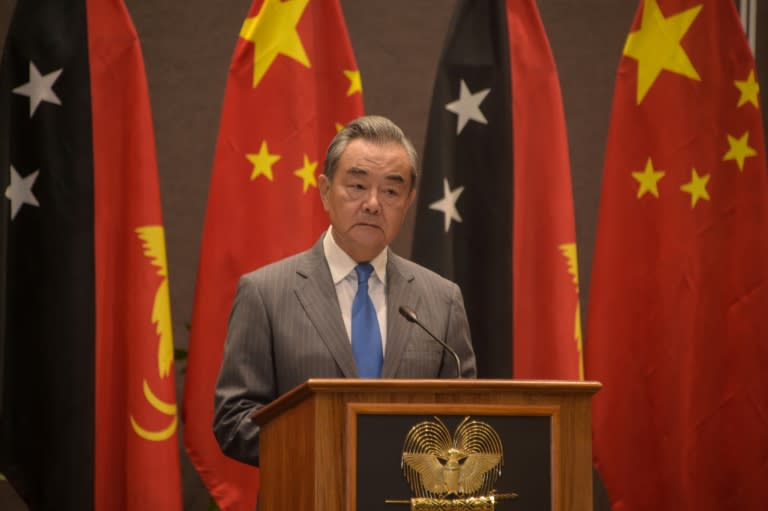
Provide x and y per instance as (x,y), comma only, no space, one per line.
(317,295)
(399,292)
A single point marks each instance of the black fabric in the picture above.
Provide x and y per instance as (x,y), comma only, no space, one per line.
(476,253)
(46,426)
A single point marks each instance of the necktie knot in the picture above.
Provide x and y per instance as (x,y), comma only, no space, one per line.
(364,271)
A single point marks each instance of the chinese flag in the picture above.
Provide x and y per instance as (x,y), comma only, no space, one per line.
(678,316)
(495,208)
(88,417)
(293,81)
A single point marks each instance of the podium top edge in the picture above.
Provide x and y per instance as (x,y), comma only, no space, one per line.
(446,385)
(317,386)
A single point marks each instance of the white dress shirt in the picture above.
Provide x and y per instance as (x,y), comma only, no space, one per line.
(345,279)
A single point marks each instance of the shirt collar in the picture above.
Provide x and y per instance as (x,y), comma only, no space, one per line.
(341,265)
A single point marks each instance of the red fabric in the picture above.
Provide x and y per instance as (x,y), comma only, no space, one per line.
(131,472)
(252,222)
(547,331)
(678,319)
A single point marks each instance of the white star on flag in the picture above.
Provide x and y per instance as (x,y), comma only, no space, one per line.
(448,204)
(467,107)
(19,192)
(39,88)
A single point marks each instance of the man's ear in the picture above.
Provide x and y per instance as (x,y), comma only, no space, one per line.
(324,186)
(411,196)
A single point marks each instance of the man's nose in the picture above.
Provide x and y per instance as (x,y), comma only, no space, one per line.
(372,204)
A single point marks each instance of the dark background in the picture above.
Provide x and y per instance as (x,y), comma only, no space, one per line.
(187,48)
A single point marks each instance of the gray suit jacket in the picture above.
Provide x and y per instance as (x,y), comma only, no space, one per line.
(286,327)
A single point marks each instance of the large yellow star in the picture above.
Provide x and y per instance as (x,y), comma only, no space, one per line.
(262,162)
(273,32)
(649,180)
(355,83)
(739,150)
(749,89)
(656,46)
(697,187)
(307,173)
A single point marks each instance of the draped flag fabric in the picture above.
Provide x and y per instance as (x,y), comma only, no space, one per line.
(292,83)
(88,417)
(678,323)
(495,208)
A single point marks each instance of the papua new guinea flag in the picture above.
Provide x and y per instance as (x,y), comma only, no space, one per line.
(88,418)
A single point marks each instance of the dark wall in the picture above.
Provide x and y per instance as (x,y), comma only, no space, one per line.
(187,47)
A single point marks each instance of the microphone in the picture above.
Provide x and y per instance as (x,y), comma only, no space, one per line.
(410,315)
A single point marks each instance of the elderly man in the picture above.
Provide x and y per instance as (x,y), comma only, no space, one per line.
(333,311)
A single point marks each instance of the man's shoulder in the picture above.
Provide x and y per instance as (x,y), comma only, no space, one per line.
(296,263)
(410,269)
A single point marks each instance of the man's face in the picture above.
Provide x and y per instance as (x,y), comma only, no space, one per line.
(368,197)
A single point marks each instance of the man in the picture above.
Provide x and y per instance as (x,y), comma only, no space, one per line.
(302,317)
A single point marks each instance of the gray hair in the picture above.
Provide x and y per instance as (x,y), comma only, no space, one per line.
(371,128)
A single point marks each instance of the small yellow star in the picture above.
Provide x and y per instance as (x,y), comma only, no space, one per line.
(262,162)
(355,83)
(307,173)
(339,127)
(697,187)
(656,46)
(739,150)
(649,180)
(749,89)
(273,32)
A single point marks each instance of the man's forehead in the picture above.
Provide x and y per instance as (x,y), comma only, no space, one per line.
(394,175)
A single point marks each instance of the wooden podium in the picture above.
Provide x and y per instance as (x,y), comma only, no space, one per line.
(336,444)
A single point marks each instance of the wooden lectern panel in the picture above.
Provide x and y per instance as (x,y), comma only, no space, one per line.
(309,437)
(529,436)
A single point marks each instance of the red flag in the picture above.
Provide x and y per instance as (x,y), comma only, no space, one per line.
(88,417)
(547,328)
(677,328)
(136,448)
(292,81)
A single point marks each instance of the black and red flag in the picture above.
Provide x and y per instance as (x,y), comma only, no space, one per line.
(88,418)
(678,323)
(495,208)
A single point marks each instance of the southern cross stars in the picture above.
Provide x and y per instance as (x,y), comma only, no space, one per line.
(19,192)
(447,205)
(467,107)
(656,46)
(39,88)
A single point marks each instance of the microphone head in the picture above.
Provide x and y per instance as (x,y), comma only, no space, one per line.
(408,313)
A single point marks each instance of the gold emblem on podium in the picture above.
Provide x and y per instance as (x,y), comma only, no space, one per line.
(453,472)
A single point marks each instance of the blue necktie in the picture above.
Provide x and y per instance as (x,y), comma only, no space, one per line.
(366,336)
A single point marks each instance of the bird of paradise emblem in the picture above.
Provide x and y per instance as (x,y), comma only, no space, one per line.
(153,243)
(456,472)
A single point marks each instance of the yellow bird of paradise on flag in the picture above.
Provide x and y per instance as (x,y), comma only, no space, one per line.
(153,240)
